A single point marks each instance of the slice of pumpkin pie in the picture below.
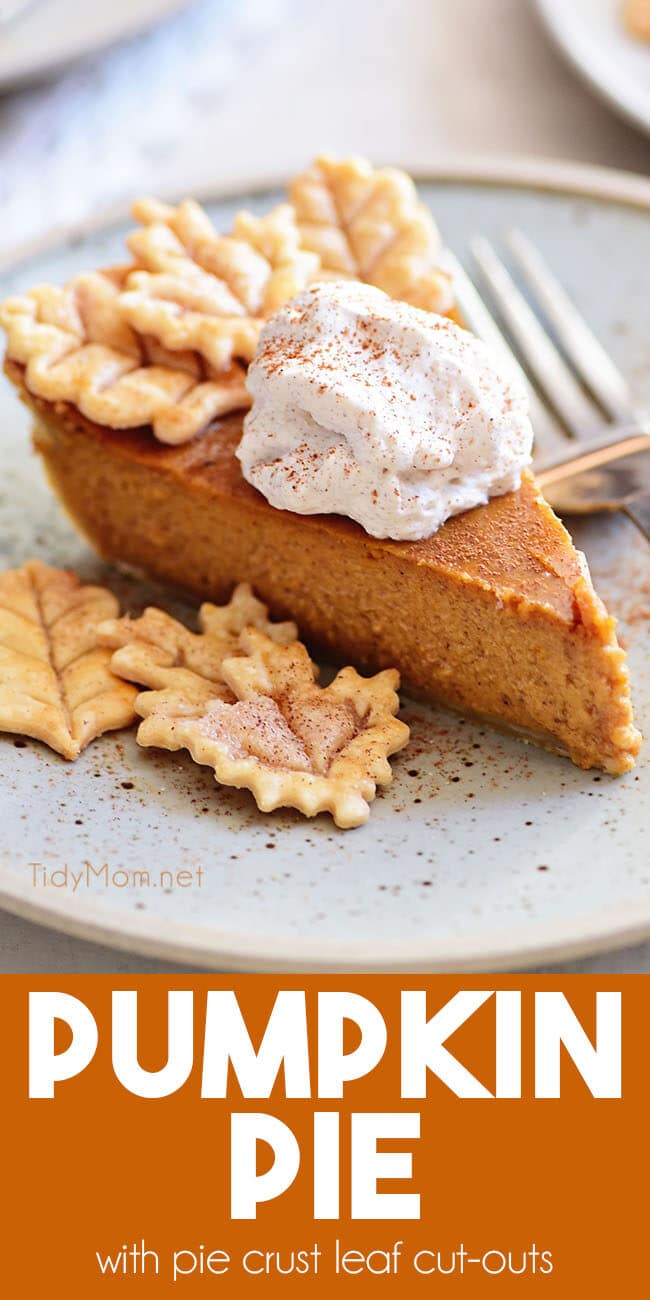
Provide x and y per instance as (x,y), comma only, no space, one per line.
(378,491)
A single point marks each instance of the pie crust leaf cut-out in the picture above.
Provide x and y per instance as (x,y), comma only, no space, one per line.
(369,224)
(77,347)
(200,291)
(56,683)
(637,18)
(182,669)
(289,741)
(164,341)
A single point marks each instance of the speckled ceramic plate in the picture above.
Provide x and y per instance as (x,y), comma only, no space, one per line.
(485,852)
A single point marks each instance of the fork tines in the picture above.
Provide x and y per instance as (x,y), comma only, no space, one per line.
(561,365)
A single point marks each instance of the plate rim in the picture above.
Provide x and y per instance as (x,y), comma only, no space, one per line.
(157,937)
(132,25)
(582,180)
(136,933)
(549,12)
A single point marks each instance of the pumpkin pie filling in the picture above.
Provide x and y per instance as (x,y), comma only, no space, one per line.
(494,615)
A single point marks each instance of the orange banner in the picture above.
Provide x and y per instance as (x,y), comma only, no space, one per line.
(374,1136)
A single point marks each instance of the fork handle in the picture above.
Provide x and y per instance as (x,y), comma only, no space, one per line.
(639,512)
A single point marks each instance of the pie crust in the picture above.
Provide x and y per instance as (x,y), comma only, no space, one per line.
(56,683)
(289,741)
(180,668)
(369,224)
(637,18)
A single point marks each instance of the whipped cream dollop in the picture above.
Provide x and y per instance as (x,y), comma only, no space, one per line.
(367,407)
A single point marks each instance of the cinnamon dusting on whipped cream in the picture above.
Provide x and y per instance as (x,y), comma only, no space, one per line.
(366,407)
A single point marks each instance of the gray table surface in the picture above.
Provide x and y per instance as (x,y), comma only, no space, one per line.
(412,81)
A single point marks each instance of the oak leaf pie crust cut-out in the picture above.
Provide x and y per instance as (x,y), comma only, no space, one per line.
(289,741)
(56,683)
(182,670)
(369,224)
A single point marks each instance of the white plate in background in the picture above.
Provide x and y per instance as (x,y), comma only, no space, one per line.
(51,34)
(592,35)
(485,853)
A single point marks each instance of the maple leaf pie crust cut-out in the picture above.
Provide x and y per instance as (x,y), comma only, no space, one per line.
(183,669)
(240,695)
(207,293)
(276,733)
(77,347)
